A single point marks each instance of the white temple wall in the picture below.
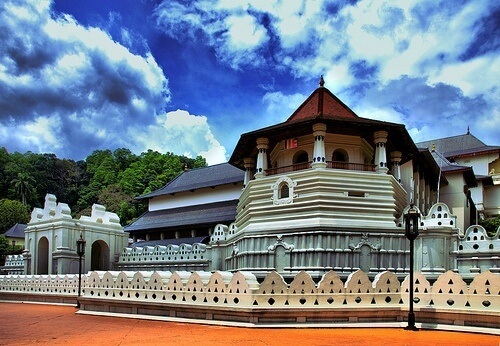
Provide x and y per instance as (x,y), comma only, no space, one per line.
(201,196)
(453,196)
(479,162)
(51,237)
(238,297)
(492,200)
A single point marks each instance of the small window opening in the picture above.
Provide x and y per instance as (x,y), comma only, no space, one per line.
(284,191)
(340,156)
(301,157)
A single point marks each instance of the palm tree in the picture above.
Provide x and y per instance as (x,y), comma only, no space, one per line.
(23,185)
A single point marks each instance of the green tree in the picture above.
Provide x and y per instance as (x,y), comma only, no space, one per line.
(119,202)
(24,186)
(491,225)
(17,164)
(199,161)
(124,158)
(12,212)
(101,170)
(4,160)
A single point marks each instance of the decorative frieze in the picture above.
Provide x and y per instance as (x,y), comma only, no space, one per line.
(176,293)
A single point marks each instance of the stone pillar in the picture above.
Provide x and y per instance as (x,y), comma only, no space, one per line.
(319,159)
(262,146)
(380,138)
(396,164)
(249,165)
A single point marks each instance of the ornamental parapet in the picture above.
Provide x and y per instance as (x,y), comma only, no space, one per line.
(240,297)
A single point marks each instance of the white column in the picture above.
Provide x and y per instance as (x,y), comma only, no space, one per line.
(262,145)
(319,159)
(380,138)
(249,164)
(396,164)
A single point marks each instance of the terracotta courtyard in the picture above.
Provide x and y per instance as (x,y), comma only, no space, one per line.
(29,324)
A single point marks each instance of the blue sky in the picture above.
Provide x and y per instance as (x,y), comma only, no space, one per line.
(190,77)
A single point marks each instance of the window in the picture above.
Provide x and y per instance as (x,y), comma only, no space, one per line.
(284,191)
(291,143)
(340,155)
(300,157)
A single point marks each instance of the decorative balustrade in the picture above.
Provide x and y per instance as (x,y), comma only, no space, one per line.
(222,290)
(41,284)
(350,166)
(286,169)
(14,264)
(330,164)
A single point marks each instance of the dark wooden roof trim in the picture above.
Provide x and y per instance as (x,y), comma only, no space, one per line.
(208,214)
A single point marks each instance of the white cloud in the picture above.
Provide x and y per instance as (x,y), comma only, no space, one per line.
(42,134)
(280,106)
(244,32)
(180,132)
(466,75)
(57,74)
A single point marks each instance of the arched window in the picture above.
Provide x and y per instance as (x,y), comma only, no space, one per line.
(300,157)
(284,191)
(340,155)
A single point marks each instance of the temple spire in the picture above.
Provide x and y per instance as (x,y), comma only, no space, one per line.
(321,81)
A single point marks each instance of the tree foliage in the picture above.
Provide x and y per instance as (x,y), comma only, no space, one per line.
(12,212)
(111,178)
(491,225)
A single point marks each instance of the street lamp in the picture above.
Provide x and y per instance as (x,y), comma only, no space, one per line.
(411,232)
(80,250)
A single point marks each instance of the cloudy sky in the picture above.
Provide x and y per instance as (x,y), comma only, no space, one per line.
(190,76)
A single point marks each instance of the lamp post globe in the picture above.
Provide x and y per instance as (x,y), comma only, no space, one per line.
(411,233)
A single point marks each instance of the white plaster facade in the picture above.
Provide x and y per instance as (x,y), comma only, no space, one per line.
(196,197)
(52,233)
(319,198)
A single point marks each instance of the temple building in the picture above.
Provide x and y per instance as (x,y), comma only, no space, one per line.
(324,190)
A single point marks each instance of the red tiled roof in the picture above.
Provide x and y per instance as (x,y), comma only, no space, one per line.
(324,107)
(322,104)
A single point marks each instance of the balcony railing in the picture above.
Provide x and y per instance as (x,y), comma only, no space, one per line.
(330,164)
(351,166)
(286,169)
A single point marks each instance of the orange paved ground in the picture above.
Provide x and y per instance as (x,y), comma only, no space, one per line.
(28,324)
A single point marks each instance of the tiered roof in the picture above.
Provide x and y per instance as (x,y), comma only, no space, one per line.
(179,218)
(199,178)
(322,106)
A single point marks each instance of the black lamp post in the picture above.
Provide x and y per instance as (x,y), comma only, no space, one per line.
(411,232)
(80,250)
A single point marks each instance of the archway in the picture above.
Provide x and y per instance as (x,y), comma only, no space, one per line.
(99,259)
(43,256)
(340,155)
(340,159)
(300,157)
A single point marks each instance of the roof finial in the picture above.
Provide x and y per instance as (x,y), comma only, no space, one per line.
(468,130)
(321,81)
